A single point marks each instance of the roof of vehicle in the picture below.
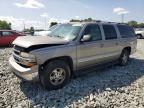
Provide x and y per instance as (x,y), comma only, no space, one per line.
(97,22)
(9,30)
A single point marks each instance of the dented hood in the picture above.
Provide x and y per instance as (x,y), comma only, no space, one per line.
(28,41)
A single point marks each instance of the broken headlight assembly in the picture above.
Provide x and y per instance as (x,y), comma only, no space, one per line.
(28,59)
(27,55)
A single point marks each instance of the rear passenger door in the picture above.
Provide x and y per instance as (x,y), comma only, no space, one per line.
(111,43)
(128,37)
(90,53)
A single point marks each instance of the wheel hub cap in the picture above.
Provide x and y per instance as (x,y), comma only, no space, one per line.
(124,58)
(57,76)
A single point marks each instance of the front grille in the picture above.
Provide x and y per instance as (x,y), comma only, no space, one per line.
(18,48)
(16,59)
(16,52)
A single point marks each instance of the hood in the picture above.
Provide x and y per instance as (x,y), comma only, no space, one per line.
(28,41)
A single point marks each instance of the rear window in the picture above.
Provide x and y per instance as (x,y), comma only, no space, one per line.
(110,32)
(126,31)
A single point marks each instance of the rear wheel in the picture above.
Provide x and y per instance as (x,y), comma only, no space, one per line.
(124,58)
(55,75)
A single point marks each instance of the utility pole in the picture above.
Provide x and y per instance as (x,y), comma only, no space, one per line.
(122,15)
(45,23)
(45,16)
(23,25)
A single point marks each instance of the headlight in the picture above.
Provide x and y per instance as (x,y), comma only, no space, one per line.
(29,59)
(27,55)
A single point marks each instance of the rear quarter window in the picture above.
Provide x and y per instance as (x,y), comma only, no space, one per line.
(126,31)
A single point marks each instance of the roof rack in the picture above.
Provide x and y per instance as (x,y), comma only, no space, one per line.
(123,23)
(99,21)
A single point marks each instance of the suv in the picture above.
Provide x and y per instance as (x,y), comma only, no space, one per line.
(70,48)
(139,33)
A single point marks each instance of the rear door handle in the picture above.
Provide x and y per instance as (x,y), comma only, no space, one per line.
(101,45)
(116,43)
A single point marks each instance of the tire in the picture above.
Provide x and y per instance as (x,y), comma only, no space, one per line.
(55,75)
(124,58)
(139,36)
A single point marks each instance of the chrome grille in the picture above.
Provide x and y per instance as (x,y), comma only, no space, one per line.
(18,48)
(16,52)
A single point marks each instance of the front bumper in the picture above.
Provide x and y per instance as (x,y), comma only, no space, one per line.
(28,74)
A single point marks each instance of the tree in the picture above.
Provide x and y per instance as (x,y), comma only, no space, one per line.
(32,31)
(133,24)
(5,25)
(88,20)
(141,25)
(75,20)
(85,20)
(53,23)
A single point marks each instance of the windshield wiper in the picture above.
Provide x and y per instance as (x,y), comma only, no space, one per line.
(58,36)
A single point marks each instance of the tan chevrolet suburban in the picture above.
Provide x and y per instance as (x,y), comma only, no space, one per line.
(70,48)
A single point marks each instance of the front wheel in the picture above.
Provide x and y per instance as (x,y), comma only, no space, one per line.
(124,58)
(55,75)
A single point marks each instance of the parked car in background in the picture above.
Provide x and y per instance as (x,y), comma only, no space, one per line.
(71,49)
(8,36)
(139,33)
(44,33)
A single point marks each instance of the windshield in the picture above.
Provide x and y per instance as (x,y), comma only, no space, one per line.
(52,28)
(66,31)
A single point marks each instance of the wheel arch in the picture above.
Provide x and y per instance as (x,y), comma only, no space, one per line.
(139,34)
(128,48)
(67,59)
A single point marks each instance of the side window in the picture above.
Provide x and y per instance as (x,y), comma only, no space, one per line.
(110,32)
(126,31)
(0,34)
(6,33)
(94,31)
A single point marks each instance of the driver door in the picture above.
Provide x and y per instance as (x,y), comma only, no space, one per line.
(90,53)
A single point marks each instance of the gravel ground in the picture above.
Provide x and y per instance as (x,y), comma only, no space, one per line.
(112,87)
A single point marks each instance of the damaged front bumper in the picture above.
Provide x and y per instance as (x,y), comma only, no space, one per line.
(28,74)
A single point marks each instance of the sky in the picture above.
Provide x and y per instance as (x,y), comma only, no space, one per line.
(37,12)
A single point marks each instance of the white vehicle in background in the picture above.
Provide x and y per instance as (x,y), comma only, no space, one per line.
(41,33)
(139,33)
(44,33)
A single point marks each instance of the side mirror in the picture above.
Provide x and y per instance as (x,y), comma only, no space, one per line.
(86,38)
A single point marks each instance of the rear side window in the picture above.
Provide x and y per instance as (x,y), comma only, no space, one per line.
(126,31)
(0,34)
(110,32)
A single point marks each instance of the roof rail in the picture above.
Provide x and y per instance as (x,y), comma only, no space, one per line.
(98,21)
(123,23)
